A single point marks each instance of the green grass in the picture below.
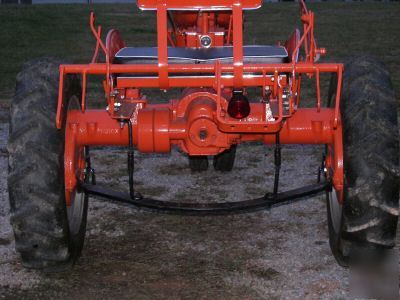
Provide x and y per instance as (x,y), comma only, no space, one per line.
(345,29)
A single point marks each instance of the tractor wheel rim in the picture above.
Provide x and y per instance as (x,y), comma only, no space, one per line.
(75,213)
(335,210)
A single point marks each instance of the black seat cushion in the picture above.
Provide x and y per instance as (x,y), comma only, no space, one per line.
(251,54)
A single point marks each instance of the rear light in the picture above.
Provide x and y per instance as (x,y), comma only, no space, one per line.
(239,106)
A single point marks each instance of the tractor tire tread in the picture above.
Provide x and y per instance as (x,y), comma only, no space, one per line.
(38,213)
(371,149)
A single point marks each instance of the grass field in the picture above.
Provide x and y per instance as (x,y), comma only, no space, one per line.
(345,29)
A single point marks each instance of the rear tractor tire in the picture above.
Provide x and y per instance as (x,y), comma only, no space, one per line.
(368,218)
(48,235)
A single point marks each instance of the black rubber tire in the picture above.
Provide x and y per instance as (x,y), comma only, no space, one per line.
(368,218)
(36,174)
(225,161)
(198,163)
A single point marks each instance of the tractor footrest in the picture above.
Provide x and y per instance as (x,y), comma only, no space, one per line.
(267,202)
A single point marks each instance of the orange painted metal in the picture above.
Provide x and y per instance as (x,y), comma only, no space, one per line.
(237,18)
(162,40)
(95,127)
(197,122)
(189,28)
(157,128)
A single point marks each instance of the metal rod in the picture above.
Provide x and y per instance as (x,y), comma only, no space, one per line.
(131,160)
(101,68)
(277,162)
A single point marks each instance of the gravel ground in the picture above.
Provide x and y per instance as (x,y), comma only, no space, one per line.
(282,253)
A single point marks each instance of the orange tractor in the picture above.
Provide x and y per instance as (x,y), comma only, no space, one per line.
(200,51)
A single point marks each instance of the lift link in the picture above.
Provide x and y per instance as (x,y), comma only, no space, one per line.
(131,164)
(277,163)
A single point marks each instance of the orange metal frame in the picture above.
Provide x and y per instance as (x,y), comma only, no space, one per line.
(203,104)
